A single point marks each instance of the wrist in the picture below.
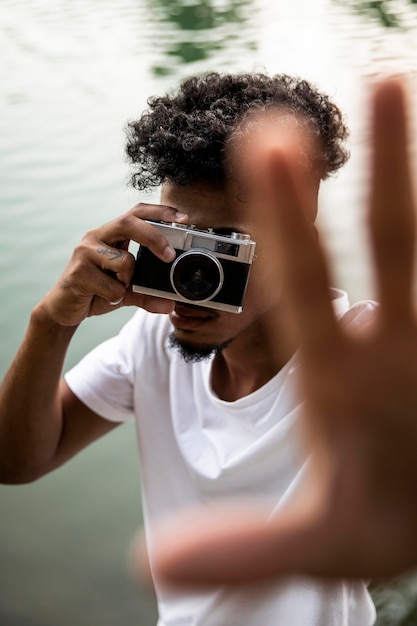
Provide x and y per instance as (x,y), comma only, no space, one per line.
(41,319)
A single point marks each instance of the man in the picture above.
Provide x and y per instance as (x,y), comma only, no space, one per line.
(357,515)
(213,392)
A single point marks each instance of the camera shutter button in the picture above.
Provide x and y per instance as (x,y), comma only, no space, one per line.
(240,236)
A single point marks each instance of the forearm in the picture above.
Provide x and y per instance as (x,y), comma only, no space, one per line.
(36,434)
(31,417)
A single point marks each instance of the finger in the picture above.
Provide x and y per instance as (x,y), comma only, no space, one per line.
(298,253)
(158,212)
(150,303)
(95,282)
(115,261)
(279,163)
(100,304)
(133,226)
(215,546)
(237,544)
(391,205)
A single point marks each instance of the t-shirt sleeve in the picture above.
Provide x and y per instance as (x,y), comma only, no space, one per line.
(104,379)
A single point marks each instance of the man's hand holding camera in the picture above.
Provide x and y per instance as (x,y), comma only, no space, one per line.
(97,278)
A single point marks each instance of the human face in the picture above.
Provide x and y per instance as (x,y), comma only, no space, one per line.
(206,329)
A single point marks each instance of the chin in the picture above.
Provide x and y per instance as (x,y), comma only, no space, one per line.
(193,351)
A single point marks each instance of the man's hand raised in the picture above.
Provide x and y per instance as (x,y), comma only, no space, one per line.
(357,513)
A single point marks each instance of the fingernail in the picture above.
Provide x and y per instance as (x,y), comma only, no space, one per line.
(180,216)
(116,302)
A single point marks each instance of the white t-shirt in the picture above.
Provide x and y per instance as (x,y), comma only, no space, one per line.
(195,448)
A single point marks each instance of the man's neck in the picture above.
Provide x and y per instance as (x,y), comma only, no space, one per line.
(250,361)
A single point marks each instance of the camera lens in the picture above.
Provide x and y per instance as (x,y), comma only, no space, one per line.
(196,276)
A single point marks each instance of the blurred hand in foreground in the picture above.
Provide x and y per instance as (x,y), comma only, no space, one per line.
(357,514)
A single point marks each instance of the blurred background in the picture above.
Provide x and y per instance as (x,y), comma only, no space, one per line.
(72,73)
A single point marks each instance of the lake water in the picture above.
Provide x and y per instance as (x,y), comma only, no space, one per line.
(72,74)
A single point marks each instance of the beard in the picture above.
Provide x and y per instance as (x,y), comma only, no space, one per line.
(194,352)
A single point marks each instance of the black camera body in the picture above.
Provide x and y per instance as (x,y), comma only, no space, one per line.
(210,269)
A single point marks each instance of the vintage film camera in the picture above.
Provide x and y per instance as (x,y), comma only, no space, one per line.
(210,269)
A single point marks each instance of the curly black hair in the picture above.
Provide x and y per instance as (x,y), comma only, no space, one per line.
(183,136)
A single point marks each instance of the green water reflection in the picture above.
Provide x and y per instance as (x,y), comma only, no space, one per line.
(385,11)
(201,15)
(195,32)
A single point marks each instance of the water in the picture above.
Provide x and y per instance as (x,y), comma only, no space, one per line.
(72,74)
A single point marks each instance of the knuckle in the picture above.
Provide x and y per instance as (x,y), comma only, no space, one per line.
(139,207)
(127,262)
(140,211)
(125,222)
(81,248)
(76,272)
(90,236)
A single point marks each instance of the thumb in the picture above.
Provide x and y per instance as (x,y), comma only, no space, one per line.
(235,544)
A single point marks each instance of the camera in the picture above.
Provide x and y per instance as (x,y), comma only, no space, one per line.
(210,269)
